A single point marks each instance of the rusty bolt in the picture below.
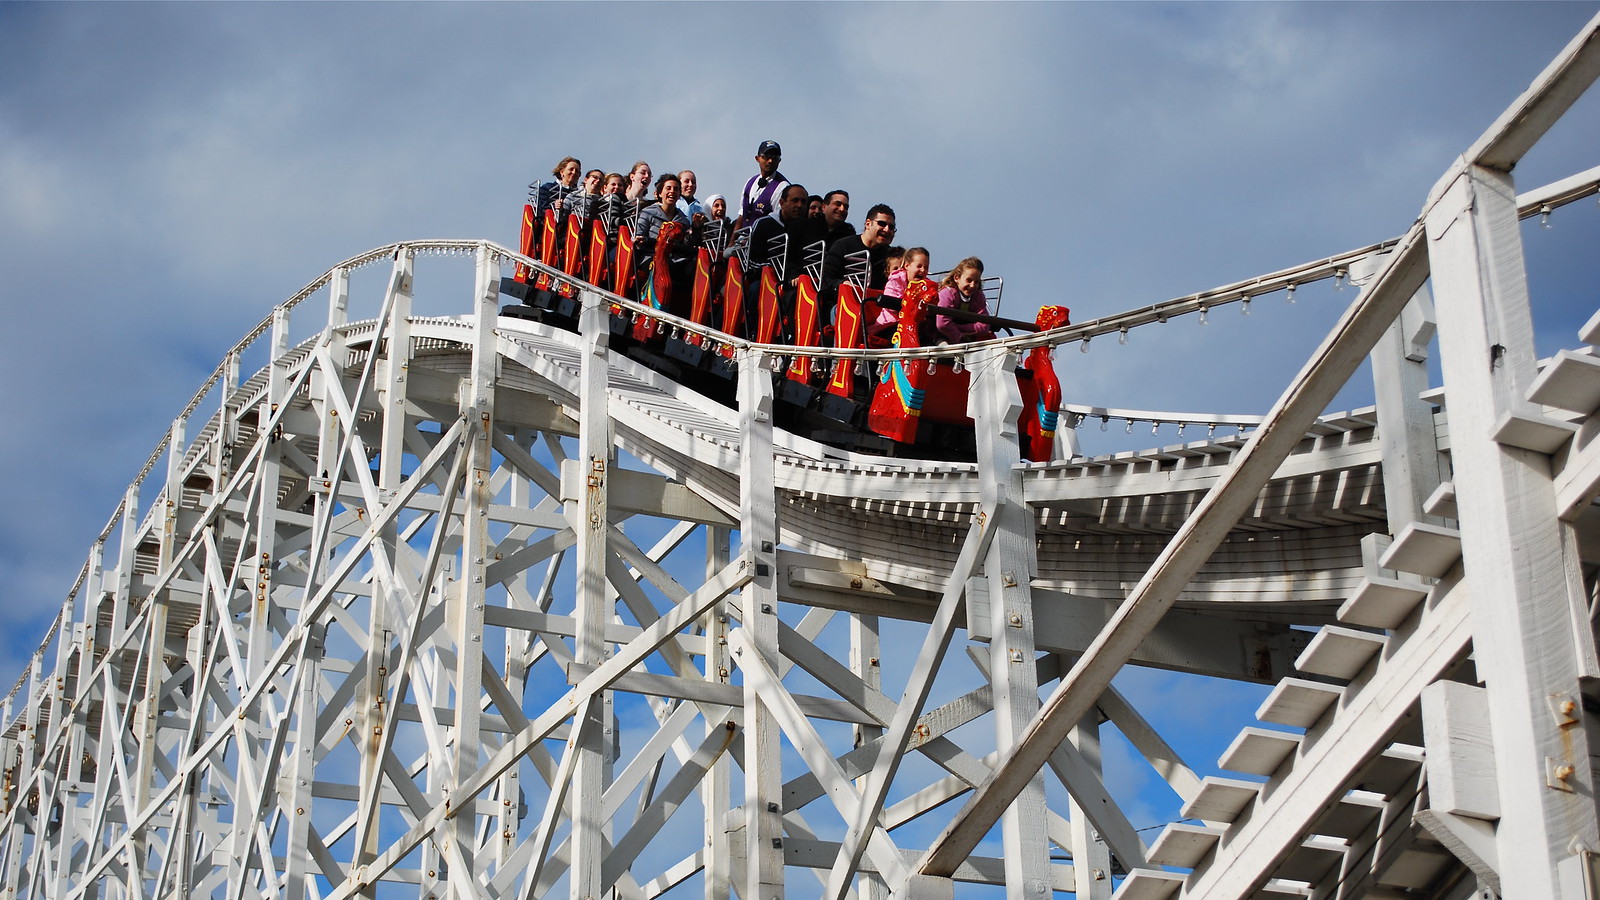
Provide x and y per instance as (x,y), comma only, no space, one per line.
(1564,771)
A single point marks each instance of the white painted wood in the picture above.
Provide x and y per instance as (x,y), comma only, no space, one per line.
(1010,567)
(1423,549)
(1339,652)
(1149,884)
(758,535)
(1577,484)
(184,751)
(1509,530)
(1091,858)
(1471,840)
(1570,381)
(1326,769)
(1221,799)
(1590,332)
(1259,751)
(1532,431)
(1461,770)
(1184,845)
(1298,703)
(1382,602)
(1442,502)
(1329,367)
(1405,422)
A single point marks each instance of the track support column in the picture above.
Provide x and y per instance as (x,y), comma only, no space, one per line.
(1009,567)
(1525,641)
(758,538)
(591,524)
(1411,464)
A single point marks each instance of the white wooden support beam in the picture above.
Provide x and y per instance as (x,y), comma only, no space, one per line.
(519,645)
(1539,107)
(1411,464)
(477,410)
(338,297)
(865,648)
(1010,567)
(1526,651)
(388,360)
(1471,840)
(1091,859)
(758,540)
(295,798)
(1282,430)
(1460,752)
(122,576)
(892,749)
(590,520)
(171,494)
(716,788)
(1577,484)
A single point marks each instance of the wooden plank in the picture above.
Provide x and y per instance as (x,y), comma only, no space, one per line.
(1532,431)
(1590,332)
(1570,381)
(1298,703)
(1423,549)
(1220,799)
(1442,502)
(1259,751)
(1339,652)
(1149,884)
(1382,602)
(1184,845)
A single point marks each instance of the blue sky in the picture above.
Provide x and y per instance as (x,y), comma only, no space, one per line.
(169,172)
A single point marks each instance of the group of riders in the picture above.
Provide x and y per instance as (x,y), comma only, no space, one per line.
(786,269)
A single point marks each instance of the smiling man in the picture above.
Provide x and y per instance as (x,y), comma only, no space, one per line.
(764,187)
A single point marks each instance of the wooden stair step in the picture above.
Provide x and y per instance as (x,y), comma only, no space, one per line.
(1382,602)
(1392,771)
(1220,799)
(1590,332)
(1353,816)
(1184,845)
(1423,549)
(1531,430)
(1570,381)
(1311,861)
(1149,884)
(1259,751)
(1298,703)
(1442,502)
(1339,652)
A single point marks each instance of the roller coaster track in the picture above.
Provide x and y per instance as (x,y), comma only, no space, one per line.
(469,605)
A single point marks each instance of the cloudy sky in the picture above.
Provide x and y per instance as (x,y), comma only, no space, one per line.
(168,173)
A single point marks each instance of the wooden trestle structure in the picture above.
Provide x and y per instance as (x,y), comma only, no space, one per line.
(471,606)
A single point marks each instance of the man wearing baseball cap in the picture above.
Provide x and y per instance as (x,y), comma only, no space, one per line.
(762,191)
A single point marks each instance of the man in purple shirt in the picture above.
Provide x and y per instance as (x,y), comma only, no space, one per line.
(764,188)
